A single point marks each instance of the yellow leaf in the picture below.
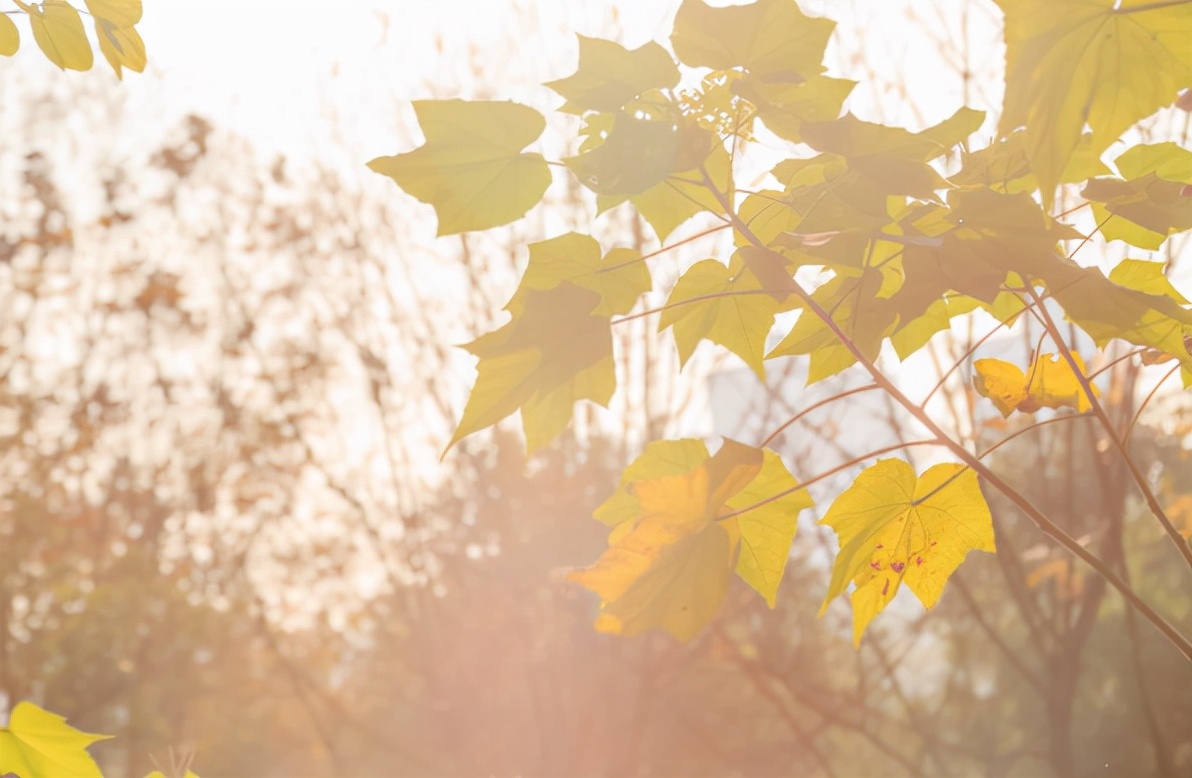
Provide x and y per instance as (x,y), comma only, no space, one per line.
(120,13)
(1145,276)
(725,305)
(767,525)
(10,36)
(1166,160)
(610,75)
(553,353)
(1051,384)
(122,47)
(679,517)
(1002,382)
(471,168)
(660,458)
(895,528)
(58,30)
(672,567)
(1101,62)
(620,277)
(769,37)
(39,744)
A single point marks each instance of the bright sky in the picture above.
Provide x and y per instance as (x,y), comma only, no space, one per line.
(301,75)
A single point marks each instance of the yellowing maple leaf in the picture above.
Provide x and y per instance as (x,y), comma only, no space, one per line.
(39,744)
(553,353)
(1152,203)
(671,554)
(471,168)
(1051,384)
(1107,63)
(895,528)
(784,106)
(1003,165)
(660,458)
(767,525)
(725,305)
(855,307)
(639,149)
(620,277)
(610,75)
(768,38)
(679,196)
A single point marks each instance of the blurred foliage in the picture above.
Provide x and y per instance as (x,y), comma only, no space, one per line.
(218,377)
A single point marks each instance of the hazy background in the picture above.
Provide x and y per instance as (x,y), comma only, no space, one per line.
(227,371)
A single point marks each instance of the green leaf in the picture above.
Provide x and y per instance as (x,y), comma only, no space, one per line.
(553,353)
(471,168)
(619,277)
(1101,62)
(767,525)
(895,528)
(771,38)
(58,30)
(611,75)
(735,311)
(10,36)
(39,744)
(1146,210)
(640,151)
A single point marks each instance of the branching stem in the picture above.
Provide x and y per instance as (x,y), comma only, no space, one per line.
(1048,527)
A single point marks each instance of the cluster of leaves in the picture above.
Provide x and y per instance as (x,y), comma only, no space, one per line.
(39,744)
(58,29)
(905,248)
